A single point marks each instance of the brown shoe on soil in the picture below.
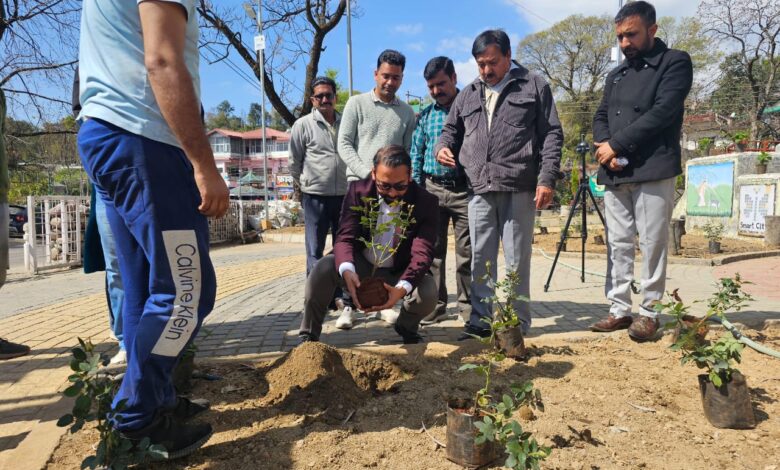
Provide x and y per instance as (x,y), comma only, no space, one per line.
(612,323)
(644,328)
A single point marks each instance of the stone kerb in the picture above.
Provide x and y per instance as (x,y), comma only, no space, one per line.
(743,174)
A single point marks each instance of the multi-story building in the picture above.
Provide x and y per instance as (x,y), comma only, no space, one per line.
(240,153)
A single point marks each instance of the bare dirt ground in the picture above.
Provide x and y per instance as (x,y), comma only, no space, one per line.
(693,246)
(610,403)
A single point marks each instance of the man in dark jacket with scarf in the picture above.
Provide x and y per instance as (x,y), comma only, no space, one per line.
(637,133)
(503,129)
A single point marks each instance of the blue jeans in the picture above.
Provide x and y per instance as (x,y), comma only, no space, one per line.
(162,243)
(320,213)
(114,290)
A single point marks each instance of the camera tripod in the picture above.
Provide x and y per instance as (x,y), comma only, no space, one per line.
(580,200)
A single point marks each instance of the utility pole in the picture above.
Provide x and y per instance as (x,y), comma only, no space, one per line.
(618,54)
(260,50)
(261,61)
(349,46)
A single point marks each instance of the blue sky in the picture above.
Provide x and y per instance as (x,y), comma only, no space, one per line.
(420,29)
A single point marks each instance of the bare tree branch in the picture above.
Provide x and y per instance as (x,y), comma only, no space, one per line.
(40,133)
(23,70)
(295,32)
(36,95)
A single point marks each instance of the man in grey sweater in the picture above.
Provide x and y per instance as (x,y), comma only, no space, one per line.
(376,119)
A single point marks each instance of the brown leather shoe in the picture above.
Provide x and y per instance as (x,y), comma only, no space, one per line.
(643,328)
(612,323)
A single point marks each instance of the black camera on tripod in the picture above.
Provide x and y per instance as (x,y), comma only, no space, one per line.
(583,147)
(580,201)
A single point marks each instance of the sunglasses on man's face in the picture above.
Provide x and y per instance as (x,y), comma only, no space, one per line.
(322,96)
(387,186)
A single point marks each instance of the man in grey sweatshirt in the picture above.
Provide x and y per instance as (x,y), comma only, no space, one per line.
(376,119)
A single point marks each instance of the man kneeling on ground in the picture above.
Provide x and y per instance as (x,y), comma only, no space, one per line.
(406,273)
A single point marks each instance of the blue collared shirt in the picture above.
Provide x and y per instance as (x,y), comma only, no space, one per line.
(426,134)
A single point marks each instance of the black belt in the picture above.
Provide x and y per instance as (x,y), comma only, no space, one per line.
(447,182)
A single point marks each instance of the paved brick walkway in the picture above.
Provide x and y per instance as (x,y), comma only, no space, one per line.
(257,313)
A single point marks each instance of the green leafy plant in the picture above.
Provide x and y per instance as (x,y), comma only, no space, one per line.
(399,220)
(739,137)
(705,144)
(713,231)
(763,158)
(497,424)
(718,357)
(574,181)
(563,194)
(503,300)
(94,393)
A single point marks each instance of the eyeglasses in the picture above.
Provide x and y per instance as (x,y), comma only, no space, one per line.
(322,96)
(387,186)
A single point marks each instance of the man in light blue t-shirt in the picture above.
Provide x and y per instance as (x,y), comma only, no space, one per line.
(144,147)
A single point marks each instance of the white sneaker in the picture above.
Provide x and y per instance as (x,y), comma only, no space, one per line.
(389,315)
(119,358)
(344,322)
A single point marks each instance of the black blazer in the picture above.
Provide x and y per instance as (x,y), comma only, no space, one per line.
(641,115)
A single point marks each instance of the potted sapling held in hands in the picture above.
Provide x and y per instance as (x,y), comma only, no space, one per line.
(372,292)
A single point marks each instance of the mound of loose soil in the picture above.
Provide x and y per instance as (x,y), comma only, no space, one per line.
(610,403)
(315,376)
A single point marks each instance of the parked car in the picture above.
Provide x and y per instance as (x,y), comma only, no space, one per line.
(18,219)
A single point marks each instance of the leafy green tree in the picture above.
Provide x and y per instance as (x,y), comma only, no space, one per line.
(342,94)
(574,57)
(223,117)
(274,120)
(255,116)
(687,34)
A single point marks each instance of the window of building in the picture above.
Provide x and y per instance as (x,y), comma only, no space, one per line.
(220,144)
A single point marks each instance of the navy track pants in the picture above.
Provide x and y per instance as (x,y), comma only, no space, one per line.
(162,244)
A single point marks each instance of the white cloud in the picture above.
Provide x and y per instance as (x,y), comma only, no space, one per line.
(408,29)
(416,46)
(467,71)
(541,15)
(456,45)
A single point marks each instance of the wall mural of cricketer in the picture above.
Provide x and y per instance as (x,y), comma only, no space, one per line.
(710,189)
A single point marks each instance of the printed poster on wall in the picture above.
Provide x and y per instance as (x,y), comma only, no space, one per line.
(755,202)
(710,189)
